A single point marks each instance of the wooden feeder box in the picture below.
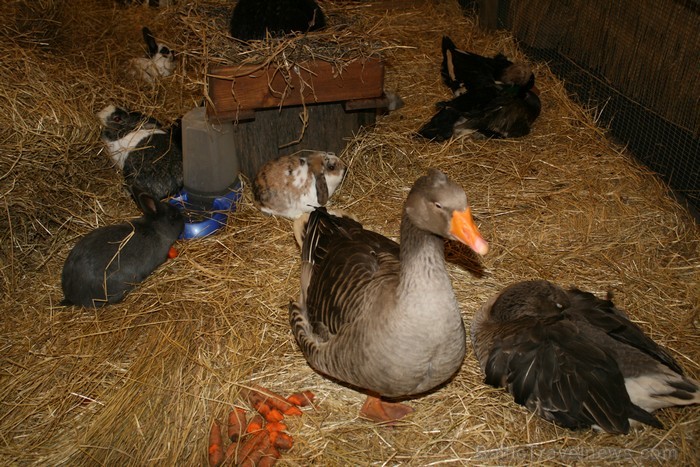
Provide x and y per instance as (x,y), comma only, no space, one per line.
(267,105)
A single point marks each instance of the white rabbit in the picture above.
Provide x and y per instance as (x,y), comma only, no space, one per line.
(160,61)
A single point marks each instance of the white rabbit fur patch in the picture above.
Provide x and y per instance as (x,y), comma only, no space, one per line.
(150,69)
(294,184)
(160,61)
(119,149)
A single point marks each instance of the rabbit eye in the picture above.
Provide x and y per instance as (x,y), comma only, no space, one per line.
(116,119)
(164,50)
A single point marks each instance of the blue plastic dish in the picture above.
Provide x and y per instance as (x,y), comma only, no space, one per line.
(211,221)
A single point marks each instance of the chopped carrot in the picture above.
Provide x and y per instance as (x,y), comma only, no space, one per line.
(283,441)
(262,407)
(302,398)
(172,253)
(269,458)
(293,411)
(236,423)
(253,448)
(274,415)
(231,453)
(216,447)
(275,426)
(255,424)
(258,393)
(253,397)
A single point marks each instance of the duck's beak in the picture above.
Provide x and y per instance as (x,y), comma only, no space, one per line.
(463,228)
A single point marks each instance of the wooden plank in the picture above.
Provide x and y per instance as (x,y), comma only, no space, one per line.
(276,132)
(488,14)
(234,89)
(362,104)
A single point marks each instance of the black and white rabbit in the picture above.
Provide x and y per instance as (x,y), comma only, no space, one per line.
(110,261)
(291,185)
(149,155)
(253,19)
(159,61)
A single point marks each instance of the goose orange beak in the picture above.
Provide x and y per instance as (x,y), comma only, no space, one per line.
(463,228)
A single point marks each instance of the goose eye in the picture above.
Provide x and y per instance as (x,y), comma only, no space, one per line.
(438,205)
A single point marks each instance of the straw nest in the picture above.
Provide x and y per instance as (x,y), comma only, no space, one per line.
(140,382)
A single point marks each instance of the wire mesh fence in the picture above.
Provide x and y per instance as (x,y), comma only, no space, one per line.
(636,62)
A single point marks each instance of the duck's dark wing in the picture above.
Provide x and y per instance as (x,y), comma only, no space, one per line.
(472,109)
(351,265)
(555,371)
(462,69)
(605,316)
(441,125)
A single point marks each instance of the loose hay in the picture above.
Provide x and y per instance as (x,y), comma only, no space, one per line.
(140,382)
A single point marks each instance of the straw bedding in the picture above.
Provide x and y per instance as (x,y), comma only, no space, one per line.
(140,382)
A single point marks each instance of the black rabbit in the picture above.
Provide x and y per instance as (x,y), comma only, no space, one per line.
(110,261)
(253,19)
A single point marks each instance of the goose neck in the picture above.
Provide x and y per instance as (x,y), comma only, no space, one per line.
(422,258)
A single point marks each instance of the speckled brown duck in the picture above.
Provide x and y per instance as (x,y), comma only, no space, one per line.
(379,316)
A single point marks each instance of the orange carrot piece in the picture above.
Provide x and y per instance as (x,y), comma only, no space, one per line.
(271,398)
(275,426)
(255,424)
(293,411)
(302,398)
(274,415)
(231,450)
(236,423)
(262,407)
(253,449)
(269,458)
(216,447)
(172,253)
(283,441)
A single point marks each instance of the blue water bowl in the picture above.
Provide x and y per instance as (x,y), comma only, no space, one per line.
(200,223)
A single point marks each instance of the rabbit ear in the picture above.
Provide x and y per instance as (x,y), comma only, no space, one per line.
(146,201)
(321,189)
(150,41)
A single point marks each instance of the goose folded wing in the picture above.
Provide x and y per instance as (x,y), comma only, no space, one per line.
(603,315)
(352,276)
(556,373)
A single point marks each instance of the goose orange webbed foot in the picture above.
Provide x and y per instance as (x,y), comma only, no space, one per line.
(387,413)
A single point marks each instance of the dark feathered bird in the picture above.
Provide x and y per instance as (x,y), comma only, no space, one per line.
(496,111)
(576,359)
(466,71)
(494,97)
